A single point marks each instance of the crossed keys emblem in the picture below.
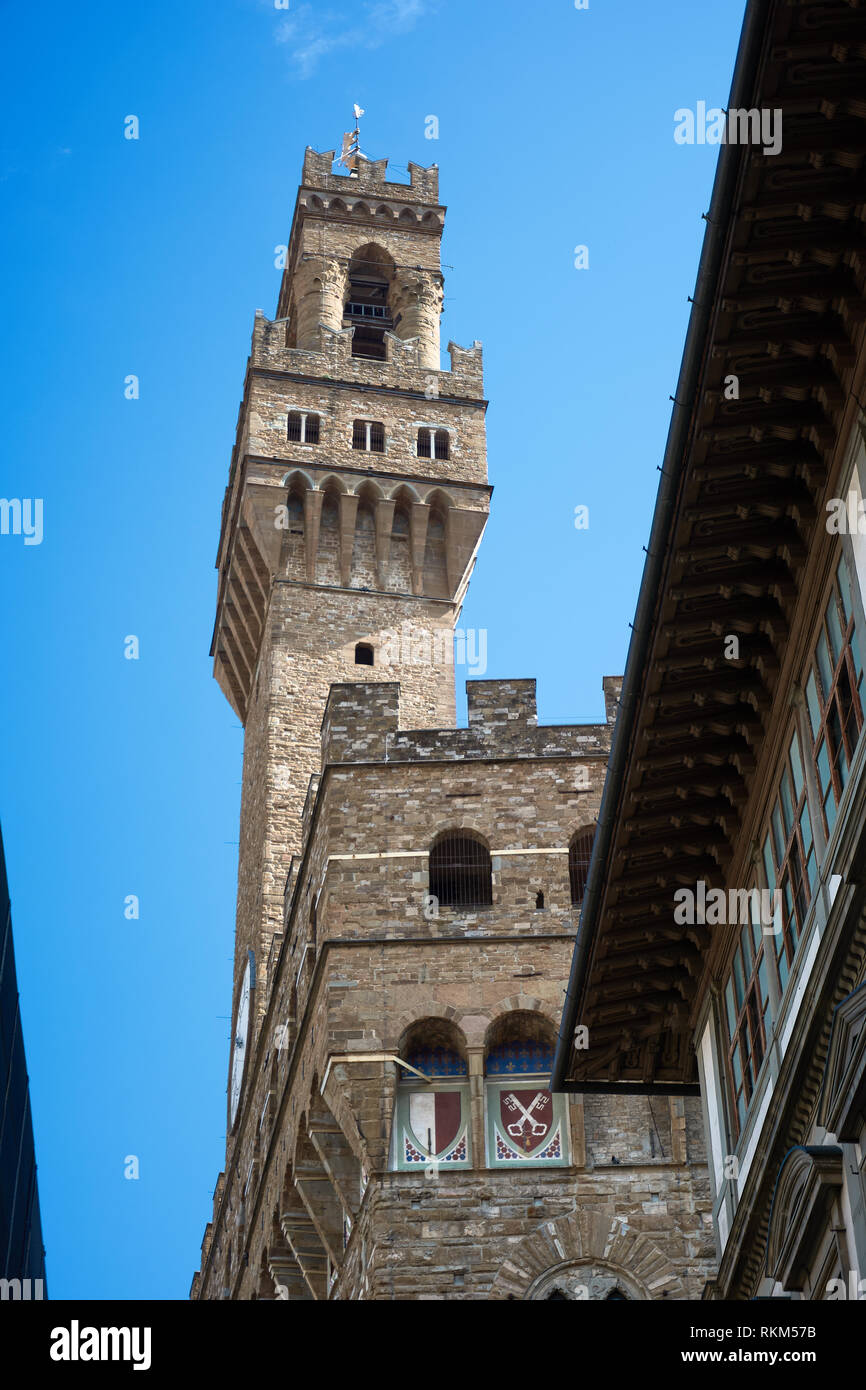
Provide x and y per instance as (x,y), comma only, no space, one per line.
(525,1124)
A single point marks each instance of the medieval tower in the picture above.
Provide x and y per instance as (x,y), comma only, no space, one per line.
(409,892)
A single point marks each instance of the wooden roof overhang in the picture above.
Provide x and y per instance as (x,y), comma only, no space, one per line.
(779,305)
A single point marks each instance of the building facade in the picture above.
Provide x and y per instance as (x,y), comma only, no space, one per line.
(730,846)
(23,1254)
(408,891)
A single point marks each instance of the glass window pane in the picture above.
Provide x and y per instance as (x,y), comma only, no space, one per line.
(739,984)
(779,836)
(823,761)
(796,765)
(812,702)
(855,652)
(825,670)
(830,810)
(731,1011)
(787,805)
(811,865)
(746,945)
(844,589)
(835,630)
(755,919)
(769,868)
(806,828)
(782,966)
(763,986)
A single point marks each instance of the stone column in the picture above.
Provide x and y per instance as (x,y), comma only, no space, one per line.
(475,1057)
(320,283)
(417,303)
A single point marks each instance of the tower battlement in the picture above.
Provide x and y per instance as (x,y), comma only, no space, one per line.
(400,368)
(361,724)
(318,173)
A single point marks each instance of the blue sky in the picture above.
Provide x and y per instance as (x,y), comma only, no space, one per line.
(149,257)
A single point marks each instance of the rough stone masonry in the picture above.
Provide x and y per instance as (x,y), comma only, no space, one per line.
(408,892)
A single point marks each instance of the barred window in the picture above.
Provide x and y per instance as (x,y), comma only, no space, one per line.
(368,435)
(579,854)
(833,683)
(302,427)
(747,1001)
(460,874)
(433,443)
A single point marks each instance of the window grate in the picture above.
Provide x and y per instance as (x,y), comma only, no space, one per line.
(579,855)
(460,872)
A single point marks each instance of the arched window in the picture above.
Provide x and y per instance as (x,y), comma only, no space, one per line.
(363,654)
(368,435)
(431,1114)
(579,854)
(302,427)
(527,1125)
(460,873)
(433,444)
(367,310)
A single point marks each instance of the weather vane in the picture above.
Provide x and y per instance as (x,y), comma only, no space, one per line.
(351,143)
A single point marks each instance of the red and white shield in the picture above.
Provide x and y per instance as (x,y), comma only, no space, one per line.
(526,1117)
(435,1119)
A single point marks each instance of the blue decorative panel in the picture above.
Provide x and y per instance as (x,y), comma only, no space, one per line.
(436,1061)
(511,1059)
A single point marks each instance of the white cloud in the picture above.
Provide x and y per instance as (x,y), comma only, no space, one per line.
(312,33)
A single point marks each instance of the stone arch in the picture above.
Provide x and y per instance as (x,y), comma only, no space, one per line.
(372,258)
(530,1023)
(337,205)
(299,479)
(593,1238)
(432,1030)
(405,493)
(440,499)
(334,482)
(590,1280)
(369,490)
(431,219)
(385,212)
(407,215)
(361,209)
(431,1009)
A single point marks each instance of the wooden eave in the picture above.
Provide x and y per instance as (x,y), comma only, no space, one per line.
(787,321)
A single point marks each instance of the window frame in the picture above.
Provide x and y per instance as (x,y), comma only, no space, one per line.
(822,696)
(368,427)
(304,416)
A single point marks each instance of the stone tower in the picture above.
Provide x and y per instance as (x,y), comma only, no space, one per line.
(409,892)
(356,500)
